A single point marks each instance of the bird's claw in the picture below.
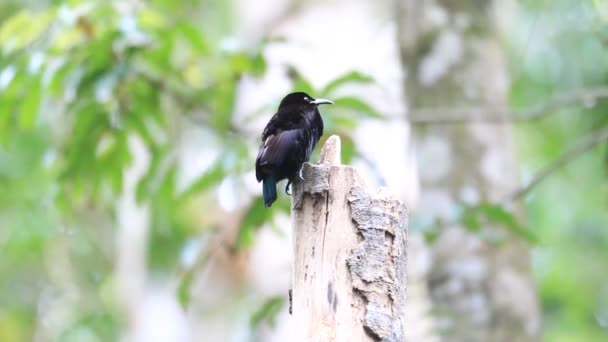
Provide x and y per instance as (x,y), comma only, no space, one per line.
(300,174)
(287,188)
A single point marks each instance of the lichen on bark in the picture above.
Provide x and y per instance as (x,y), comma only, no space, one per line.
(377,265)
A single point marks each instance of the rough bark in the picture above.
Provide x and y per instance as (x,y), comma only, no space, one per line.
(349,275)
(481,291)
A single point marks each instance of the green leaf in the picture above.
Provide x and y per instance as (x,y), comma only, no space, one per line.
(470,220)
(195,37)
(497,214)
(23,28)
(245,63)
(348,149)
(430,236)
(222,101)
(166,191)
(30,106)
(119,162)
(151,19)
(351,77)
(150,183)
(255,216)
(299,82)
(357,105)
(88,130)
(183,292)
(5,124)
(258,65)
(341,122)
(211,177)
(135,122)
(100,325)
(268,311)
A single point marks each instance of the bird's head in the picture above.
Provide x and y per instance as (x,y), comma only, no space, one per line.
(301,99)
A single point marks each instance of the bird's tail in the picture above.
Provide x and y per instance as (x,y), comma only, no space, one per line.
(269,190)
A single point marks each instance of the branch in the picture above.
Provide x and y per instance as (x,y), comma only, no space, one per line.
(349,266)
(583,146)
(187,100)
(587,96)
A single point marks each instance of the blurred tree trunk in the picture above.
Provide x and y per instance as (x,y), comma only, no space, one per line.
(480,290)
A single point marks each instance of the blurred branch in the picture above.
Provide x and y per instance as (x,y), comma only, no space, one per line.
(204,121)
(587,97)
(583,146)
(163,85)
(188,101)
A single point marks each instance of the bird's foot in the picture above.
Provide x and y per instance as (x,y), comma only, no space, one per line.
(300,173)
(287,188)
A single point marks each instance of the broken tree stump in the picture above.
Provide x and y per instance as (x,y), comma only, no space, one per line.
(349,274)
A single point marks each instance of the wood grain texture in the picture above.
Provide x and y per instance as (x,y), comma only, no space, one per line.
(349,277)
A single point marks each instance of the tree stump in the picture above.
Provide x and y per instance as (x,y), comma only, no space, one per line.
(349,274)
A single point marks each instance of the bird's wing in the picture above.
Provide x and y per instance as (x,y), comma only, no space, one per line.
(276,147)
(286,119)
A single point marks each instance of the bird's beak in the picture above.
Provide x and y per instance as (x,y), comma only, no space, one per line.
(321,101)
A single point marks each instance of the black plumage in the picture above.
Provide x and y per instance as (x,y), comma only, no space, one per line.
(288,141)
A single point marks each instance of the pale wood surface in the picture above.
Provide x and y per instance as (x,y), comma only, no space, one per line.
(349,276)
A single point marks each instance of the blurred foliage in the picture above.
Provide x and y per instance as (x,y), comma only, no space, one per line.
(558,47)
(84,87)
(268,311)
(493,222)
(489,214)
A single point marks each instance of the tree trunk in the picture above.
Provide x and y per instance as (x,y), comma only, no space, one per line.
(349,275)
(480,291)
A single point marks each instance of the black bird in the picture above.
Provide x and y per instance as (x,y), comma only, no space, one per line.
(287,142)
